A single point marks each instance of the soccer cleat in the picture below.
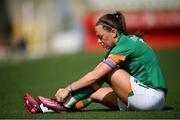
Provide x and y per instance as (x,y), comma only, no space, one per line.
(52,104)
(31,104)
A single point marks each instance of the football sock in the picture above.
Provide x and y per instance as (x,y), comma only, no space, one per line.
(77,106)
(82,93)
(82,104)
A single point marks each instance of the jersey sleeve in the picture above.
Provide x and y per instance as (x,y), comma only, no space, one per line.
(113,60)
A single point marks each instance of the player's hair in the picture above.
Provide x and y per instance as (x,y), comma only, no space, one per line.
(115,20)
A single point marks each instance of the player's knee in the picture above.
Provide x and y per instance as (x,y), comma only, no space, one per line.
(118,73)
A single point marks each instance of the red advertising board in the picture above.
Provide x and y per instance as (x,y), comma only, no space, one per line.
(160,29)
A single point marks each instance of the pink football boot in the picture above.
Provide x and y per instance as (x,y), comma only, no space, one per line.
(31,104)
(52,104)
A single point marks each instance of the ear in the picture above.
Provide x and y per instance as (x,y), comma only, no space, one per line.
(114,32)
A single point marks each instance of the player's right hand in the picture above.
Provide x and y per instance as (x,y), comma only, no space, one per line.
(61,94)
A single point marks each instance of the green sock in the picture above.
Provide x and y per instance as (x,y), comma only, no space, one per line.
(87,91)
(82,93)
(81,104)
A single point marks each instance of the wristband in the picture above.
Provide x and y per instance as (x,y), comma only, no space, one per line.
(70,88)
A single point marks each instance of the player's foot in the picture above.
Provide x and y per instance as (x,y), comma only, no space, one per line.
(52,104)
(31,104)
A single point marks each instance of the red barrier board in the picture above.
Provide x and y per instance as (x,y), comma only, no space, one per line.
(160,29)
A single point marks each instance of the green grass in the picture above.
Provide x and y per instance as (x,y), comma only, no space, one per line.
(45,76)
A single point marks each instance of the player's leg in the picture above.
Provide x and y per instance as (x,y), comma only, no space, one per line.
(81,104)
(105,96)
(75,101)
(44,105)
(136,95)
(59,107)
(83,93)
(116,82)
(115,97)
(120,82)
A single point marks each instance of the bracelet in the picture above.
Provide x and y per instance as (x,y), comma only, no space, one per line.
(70,88)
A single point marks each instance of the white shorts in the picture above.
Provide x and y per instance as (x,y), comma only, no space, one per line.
(144,98)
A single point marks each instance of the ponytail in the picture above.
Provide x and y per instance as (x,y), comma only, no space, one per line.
(120,21)
(115,20)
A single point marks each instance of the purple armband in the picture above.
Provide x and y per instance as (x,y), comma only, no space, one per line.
(110,63)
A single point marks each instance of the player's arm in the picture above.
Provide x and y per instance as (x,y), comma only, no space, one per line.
(101,70)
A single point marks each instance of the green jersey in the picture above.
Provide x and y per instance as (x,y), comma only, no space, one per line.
(133,55)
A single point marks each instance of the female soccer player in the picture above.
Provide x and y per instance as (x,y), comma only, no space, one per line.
(130,67)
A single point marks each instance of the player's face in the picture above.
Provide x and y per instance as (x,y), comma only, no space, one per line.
(105,38)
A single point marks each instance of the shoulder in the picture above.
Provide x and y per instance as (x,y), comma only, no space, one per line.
(125,42)
(128,40)
(132,38)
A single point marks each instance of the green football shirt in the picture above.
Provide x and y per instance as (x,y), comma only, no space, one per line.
(139,60)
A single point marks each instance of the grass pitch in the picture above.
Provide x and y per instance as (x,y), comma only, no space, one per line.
(45,76)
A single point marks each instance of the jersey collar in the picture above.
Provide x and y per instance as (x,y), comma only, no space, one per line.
(119,37)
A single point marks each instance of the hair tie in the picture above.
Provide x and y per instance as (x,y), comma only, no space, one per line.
(116,15)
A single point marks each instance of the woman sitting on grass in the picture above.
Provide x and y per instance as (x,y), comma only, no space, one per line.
(130,67)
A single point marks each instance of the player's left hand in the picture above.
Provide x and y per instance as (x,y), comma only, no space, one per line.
(61,94)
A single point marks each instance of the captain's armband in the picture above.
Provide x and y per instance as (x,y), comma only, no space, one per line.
(110,63)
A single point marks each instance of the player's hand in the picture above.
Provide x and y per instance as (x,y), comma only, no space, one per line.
(61,94)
